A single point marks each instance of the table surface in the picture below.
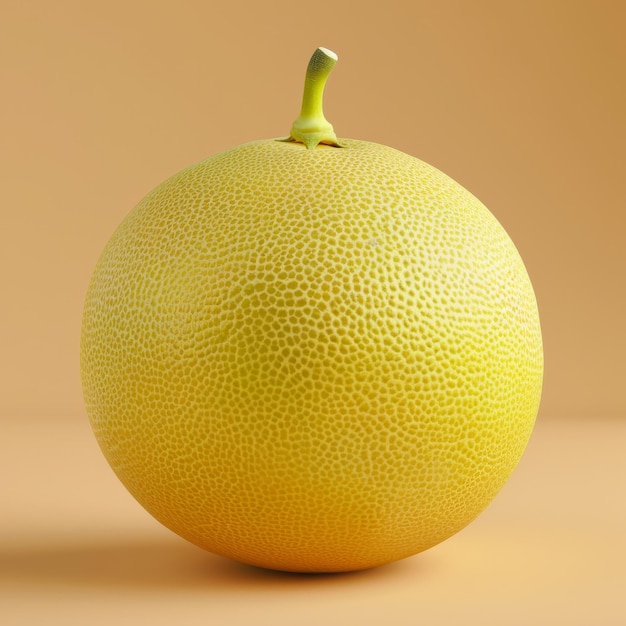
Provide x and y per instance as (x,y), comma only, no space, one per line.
(75,548)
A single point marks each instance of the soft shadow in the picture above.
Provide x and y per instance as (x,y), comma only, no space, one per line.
(160,564)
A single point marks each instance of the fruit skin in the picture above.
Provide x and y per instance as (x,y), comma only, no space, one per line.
(312,360)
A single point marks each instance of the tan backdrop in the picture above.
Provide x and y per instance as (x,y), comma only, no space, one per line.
(522,102)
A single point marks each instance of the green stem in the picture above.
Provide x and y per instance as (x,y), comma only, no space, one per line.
(311,128)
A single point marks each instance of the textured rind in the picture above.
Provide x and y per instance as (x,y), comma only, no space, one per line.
(312,360)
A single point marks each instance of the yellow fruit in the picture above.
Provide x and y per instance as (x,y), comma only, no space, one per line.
(316,359)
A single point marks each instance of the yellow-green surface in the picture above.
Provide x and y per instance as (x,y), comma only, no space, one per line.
(312,360)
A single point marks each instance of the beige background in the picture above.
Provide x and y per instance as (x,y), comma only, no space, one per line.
(523,102)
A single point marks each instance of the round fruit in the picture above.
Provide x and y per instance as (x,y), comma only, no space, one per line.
(312,357)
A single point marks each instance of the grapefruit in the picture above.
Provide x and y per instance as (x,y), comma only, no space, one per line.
(312,355)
